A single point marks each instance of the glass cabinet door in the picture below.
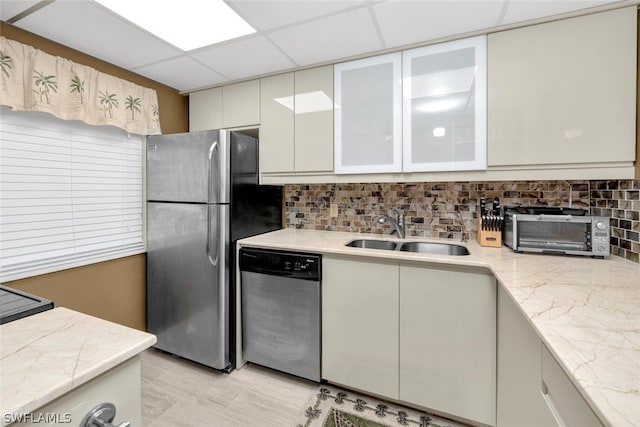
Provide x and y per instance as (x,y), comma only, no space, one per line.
(367,115)
(444,106)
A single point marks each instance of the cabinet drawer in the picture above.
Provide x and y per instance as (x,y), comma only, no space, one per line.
(563,399)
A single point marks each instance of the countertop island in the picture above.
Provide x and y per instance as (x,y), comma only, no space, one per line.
(49,354)
(586,311)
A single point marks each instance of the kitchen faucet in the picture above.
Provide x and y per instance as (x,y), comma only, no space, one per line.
(463,227)
(398,223)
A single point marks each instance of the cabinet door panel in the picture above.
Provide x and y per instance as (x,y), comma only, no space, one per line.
(448,341)
(562,397)
(444,106)
(205,110)
(564,91)
(368,119)
(520,399)
(314,119)
(360,325)
(276,128)
(241,104)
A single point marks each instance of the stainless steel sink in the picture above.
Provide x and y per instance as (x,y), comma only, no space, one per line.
(372,244)
(434,248)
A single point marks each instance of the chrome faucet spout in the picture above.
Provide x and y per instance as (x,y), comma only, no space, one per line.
(397,224)
(462,227)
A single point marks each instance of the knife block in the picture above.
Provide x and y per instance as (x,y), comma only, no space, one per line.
(489,238)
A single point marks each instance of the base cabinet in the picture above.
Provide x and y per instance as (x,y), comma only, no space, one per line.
(448,341)
(360,324)
(407,332)
(120,386)
(520,399)
(563,400)
(533,390)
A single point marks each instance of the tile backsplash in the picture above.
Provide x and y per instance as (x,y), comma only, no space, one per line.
(431,209)
(620,201)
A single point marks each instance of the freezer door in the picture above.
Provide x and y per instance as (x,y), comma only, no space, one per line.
(187,277)
(187,167)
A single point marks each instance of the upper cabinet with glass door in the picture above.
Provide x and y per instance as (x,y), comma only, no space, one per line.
(367,115)
(444,106)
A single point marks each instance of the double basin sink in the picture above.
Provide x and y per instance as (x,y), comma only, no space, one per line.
(417,247)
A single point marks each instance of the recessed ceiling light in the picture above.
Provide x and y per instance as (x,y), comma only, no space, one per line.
(186,24)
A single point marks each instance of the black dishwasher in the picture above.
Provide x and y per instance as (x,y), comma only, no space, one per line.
(281,294)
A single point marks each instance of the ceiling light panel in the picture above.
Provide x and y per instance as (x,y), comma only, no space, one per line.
(186,24)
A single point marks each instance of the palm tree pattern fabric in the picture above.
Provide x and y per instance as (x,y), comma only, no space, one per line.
(32,80)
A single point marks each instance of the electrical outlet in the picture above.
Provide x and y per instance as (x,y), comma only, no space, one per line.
(333,210)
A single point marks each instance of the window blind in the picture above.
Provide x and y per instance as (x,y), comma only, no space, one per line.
(70,194)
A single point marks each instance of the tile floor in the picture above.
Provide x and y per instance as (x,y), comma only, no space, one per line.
(179,393)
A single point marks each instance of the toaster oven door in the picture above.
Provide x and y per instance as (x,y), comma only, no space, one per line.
(553,233)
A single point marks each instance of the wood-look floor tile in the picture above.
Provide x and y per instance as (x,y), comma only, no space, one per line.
(187,414)
(177,392)
(155,400)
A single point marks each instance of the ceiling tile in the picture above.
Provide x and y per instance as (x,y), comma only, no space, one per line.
(181,73)
(346,34)
(522,10)
(10,8)
(269,14)
(404,21)
(89,28)
(250,56)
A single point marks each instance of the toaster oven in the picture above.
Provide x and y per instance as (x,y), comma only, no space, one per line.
(555,230)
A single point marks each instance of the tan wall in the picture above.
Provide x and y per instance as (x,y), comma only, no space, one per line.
(113,290)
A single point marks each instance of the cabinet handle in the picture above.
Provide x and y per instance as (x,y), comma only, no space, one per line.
(552,406)
(102,416)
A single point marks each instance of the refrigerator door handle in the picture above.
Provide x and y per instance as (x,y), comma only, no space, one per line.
(213,197)
(213,258)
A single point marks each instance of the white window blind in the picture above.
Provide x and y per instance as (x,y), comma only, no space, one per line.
(70,194)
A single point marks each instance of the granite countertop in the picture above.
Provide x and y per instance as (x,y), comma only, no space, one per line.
(587,311)
(48,354)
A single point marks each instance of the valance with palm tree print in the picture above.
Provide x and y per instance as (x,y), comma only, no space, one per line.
(31,80)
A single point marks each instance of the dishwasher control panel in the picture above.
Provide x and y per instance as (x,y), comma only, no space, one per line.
(288,264)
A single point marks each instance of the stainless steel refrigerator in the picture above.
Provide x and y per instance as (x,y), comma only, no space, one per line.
(202,195)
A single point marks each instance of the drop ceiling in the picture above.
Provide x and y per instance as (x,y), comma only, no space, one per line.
(289,34)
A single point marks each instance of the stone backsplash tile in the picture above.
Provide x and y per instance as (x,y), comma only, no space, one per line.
(431,209)
(619,200)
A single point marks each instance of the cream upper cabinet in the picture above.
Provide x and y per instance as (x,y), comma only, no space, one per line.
(368,115)
(444,106)
(296,129)
(241,104)
(448,341)
(314,119)
(360,324)
(563,92)
(205,109)
(277,153)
